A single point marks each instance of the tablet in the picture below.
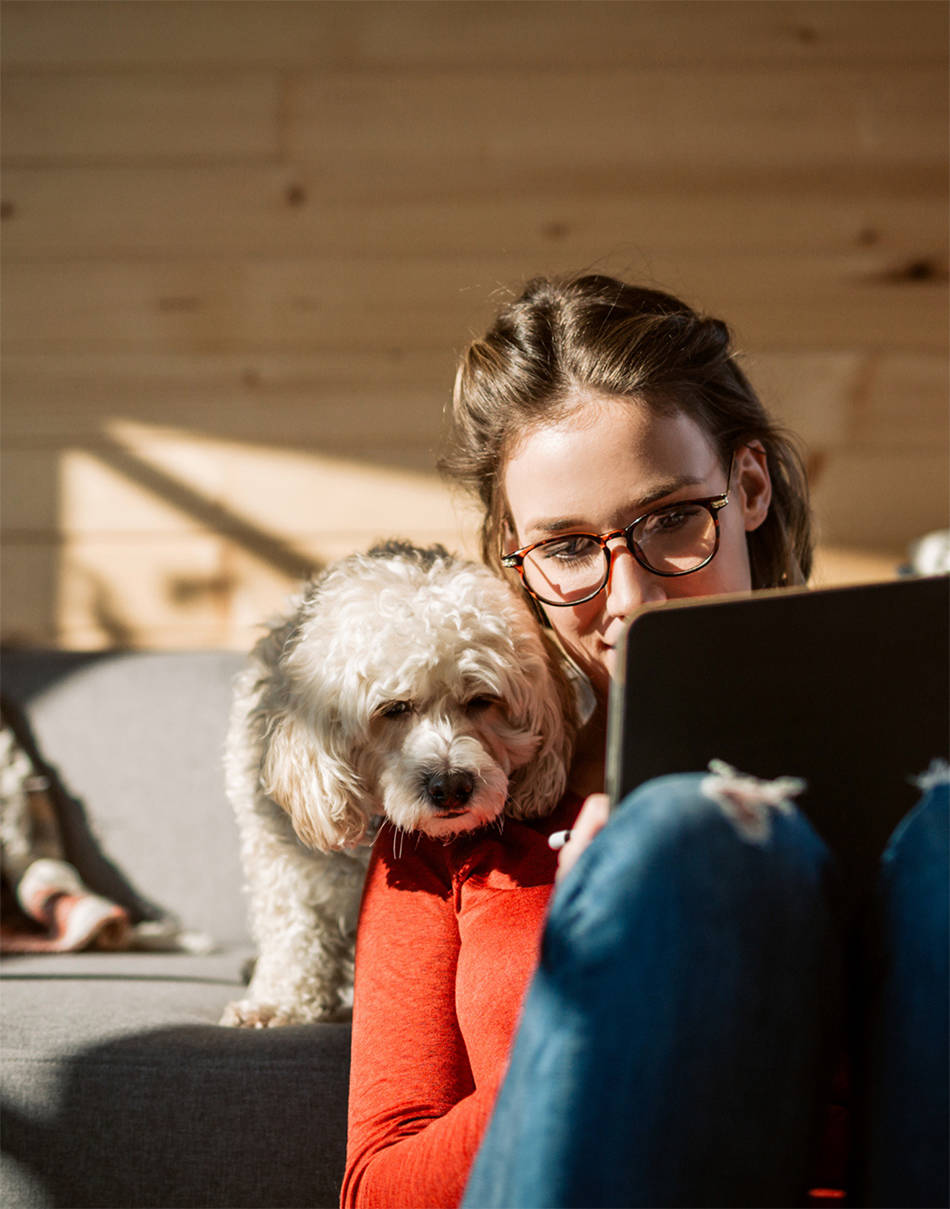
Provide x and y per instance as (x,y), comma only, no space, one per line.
(847,688)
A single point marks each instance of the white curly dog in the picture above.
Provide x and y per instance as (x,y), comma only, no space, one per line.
(405,684)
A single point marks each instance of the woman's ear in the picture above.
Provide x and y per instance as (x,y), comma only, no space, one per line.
(753,484)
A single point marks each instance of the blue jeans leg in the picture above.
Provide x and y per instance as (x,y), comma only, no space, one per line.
(905,1152)
(673,1044)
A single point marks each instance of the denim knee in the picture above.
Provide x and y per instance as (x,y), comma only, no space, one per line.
(907,1104)
(913,899)
(919,849)
(673,841)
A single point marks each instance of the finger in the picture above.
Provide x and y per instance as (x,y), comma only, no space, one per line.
(590,821)
(592,818)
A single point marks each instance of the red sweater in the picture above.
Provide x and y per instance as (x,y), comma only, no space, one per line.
(448,940)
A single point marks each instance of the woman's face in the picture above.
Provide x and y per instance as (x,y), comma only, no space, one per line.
(609,461)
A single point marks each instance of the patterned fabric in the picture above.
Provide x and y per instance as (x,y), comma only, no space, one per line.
(47,907)
(59,914)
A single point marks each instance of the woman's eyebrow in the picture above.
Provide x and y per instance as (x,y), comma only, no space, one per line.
(659,491)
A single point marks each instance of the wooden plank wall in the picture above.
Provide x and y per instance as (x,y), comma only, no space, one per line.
(244,242)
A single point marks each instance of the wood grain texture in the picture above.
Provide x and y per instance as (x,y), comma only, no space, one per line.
(145,117)
(545,33)
(212,211)
(414,303)
(245,242)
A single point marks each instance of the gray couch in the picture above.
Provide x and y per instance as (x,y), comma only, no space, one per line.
(117,1088)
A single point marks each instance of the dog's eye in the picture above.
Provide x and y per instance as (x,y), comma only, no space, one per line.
(478,705)
(395,709)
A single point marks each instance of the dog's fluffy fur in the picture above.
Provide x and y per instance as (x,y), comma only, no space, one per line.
(404,684)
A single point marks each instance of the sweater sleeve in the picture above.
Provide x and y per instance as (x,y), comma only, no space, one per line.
(415,1114)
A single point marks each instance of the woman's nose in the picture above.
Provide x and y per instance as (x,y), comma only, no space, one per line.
(630,585)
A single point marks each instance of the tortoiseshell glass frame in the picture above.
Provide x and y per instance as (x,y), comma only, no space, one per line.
(712,503)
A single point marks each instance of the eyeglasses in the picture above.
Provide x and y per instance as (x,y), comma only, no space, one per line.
(573,568)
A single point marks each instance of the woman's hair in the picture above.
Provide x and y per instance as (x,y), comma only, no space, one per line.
(596,333)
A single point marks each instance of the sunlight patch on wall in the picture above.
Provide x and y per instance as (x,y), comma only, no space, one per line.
(175,539)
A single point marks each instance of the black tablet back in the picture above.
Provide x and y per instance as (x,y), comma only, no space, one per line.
(845,687)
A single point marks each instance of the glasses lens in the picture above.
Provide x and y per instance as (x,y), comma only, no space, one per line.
(677,539)
(566,570)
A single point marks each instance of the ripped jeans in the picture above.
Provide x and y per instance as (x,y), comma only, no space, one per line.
(678,1038)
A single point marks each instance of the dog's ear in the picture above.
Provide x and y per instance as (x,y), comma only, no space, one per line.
(551,711)
(305,773)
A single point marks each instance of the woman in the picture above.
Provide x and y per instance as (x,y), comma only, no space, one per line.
(675,1045)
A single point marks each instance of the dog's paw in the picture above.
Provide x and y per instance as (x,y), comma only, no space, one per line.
(249,1013)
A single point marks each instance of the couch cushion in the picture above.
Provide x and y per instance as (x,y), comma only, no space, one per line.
(52,1003)
(118,1089)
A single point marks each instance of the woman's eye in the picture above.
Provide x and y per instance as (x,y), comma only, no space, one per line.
(670,520)
(576,548)
(395,709)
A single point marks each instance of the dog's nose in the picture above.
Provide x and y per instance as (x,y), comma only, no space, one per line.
(449,790)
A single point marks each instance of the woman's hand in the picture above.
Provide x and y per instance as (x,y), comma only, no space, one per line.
(594,814)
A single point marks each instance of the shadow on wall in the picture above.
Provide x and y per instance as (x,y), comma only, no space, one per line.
(103,606)
(282,555)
